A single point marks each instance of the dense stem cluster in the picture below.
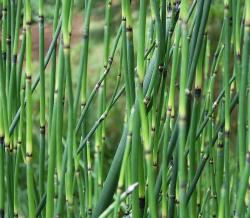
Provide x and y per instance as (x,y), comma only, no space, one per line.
(184,148)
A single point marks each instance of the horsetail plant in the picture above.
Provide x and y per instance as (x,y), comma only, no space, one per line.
(181,91)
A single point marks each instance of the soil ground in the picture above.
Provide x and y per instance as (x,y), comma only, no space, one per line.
(48,32)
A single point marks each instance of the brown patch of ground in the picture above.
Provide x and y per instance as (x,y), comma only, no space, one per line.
(48,33)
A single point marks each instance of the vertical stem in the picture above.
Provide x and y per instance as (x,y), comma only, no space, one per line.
(244,179)
(29,151)
(42,99)
(183,109)
(227,35)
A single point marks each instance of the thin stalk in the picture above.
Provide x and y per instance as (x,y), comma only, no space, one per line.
(227,35)
(183,110)
(42,99)
(53,67)
(240,204)
(18,153)
(147,149)
(29,146)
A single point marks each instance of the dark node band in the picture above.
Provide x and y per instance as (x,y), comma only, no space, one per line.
(42,129)
(85,35)
(41,19)
(169,8)
(230,20)
(171,196)
(248,157)
(206,157)
(110,60)
(66,46)
(227,133)
(215,196)
(188,92)
(147,152)
(97,85)
(28,154)
(4,55)
(129,29)
(83,104)
(197,92)
(126,213)
(28,77)
(226,7)
(220,145)
(247,23)
(147,99)
(119,187)
(8,39)
(238,55)
(1,140)
(140,82)
(182,118)
(1,213)
(161,68)
(28,23)
(4,10)
(77,172)
(141,203)
(14,59)
(7,146)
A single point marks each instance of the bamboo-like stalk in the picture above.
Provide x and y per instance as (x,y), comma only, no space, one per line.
(29,146)
(53,67)
(100,133)
(2,183)
(193,127)
(240,205)
(42,99)
(183,110)
(19,152)
(170,113)
(227,37)
(66,8)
